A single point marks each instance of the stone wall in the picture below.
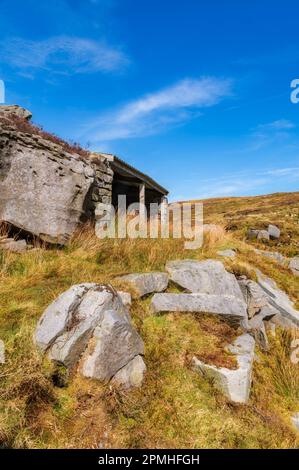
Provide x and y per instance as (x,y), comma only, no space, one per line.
(102,186)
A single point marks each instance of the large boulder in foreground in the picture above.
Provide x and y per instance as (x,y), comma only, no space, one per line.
(115,344)
(145,283)
(234,383)
(90,323)
(203,277)
(43,188)
(227,306)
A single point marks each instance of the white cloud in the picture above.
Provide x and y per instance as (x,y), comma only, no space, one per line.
(238,183)
(61,54)
(280,124)
(154,112)
(275,132)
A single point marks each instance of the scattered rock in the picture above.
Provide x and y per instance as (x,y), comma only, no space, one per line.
(146,283)
(2,352)
(273,231)
(115,343)
(286,315)
(227,253)
(230,307)
(235,384)
(273,255)
(252,233)
(294,265)
(263,235)
(295,420)
(204,277)
(90,321)
(256,299)
(131,375)
(15,246)
(258,330)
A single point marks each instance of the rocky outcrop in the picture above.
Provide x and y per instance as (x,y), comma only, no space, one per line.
(274,231)
(90,323)
(145,283)
(42,187)
(15,110)
(46,187)
(228,307)
(236,383)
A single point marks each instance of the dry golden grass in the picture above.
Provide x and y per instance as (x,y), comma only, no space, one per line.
(176,407)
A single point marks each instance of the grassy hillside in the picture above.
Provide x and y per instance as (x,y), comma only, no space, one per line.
(175,407)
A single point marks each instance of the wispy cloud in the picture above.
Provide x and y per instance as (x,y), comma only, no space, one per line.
(239,183)
(61,54)
(270,133)
(280,124)
(155,112)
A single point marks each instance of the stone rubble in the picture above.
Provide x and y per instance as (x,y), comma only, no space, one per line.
(234,383)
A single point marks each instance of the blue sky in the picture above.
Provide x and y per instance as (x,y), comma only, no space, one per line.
(194,93)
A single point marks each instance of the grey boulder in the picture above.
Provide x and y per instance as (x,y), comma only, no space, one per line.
(274,231)
(43,188)
(115,343)
(230,307)
(204,277)
(263,235)
(286,315)
(68,323)
(146,283)
(235,384)
(90,323)
(14,109)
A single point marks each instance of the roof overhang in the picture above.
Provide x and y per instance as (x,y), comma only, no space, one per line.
(121,167)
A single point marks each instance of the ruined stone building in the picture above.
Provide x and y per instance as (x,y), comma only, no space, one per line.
(48,187)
